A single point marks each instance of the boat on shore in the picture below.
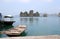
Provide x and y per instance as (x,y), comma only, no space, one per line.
(15,31)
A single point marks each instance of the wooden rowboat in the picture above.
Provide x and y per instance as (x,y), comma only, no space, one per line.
(15,31)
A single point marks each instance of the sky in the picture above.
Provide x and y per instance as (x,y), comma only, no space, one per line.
(14,7)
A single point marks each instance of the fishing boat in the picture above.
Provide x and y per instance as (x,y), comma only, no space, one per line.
(8,20)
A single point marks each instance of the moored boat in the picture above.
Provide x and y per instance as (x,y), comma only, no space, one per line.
(8,20)
(15,31)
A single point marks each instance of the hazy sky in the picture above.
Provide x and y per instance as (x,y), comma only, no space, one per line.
(14,7)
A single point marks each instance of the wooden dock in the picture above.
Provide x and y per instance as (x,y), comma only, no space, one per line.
(15,31)
(35,37)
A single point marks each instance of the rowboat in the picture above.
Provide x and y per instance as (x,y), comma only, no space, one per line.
(15,31)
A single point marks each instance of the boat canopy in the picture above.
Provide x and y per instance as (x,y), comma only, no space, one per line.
(8,16)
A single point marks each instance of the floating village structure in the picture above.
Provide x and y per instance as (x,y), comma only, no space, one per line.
(30,14)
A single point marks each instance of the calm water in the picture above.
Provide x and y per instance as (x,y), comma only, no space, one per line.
(38,26)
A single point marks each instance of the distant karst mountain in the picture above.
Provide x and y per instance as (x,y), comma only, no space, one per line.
(59,14)
(30,14)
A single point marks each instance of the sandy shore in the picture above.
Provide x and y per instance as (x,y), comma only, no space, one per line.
(35,37)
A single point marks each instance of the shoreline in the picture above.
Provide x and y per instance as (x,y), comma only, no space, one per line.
(35,37)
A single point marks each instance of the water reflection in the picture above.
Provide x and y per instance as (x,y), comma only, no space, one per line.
(31,20)
(28,20)
(5,27)
(23,34)
(24,19)
(3,35)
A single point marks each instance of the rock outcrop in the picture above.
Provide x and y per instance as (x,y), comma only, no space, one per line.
(30,14)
